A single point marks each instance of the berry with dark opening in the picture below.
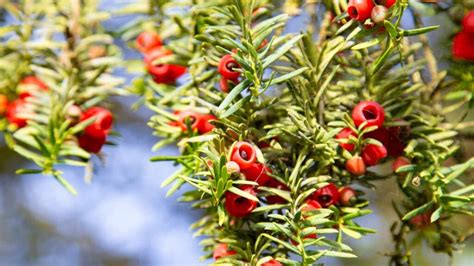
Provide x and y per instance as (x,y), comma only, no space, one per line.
(190,118)
(360,9)
(326,196)
(257,172)
(227,67)
(102,123)
(148,40)
(244,154)
(344,134)
(348,196)
(162,73)
(222,251)
(239,206)
(370,112)
(356,165)
(372,154)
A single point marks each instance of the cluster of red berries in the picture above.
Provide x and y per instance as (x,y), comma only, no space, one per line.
(227,68)
(94,135)
(463,43)
(92,138)
(198,122)
(149,43)
(15,111)
(363,9)
(372,114)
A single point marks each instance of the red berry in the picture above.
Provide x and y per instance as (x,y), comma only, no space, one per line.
(468,22)
(222,251)
(204,126)
(379,14)
(92,144)
(344,134)
(389,139)
(326,196)
(272,262)
(399,162)
(421,220)
(311,205)
(3,104)
(370,112)
(16,111)
(193,118)
(348,196)
(356,165)
(239,206)
(29,85)
(244,154)
(148,40)
(227,67)
(273,183)
(387,3)
(257,172)
(372,154)
(224,84)
(162,73)
(463,46)
(102,123)
(360,9)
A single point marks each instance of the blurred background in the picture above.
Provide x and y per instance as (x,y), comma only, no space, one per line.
(124,218)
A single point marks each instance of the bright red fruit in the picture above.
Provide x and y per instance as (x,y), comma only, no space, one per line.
(102,123)
(468,22)
(370,112)
(344,134)
(311,205)
(372,154)
(326,196)
(399,162)
(92,144)
(463,46)
(162,73)
(257,172)
(356,165)
(360,9)
(227,67)
(421,220)
(222,251)
(348,196)
(239,206)
(272,262)
(193,118)
(148,40)
(29,85)
(3,104)
(273,183)
(244,154)
(390,140)
(388,3)
(15,111)
(204,126)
